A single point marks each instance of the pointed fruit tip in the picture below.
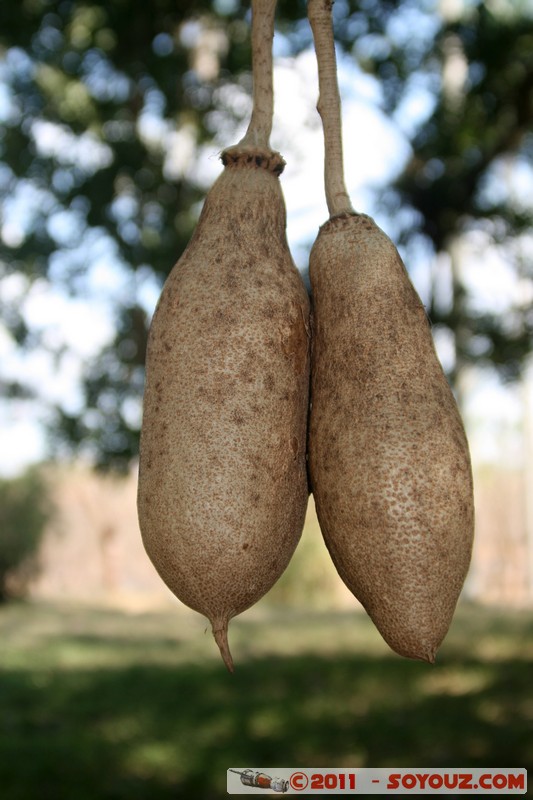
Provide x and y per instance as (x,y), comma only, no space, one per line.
(420,653)
(220,632)
(428,655)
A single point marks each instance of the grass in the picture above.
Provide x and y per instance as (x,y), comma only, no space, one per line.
(98,704)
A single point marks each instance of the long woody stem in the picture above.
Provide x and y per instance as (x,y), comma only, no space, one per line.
(329,106)
(260,127)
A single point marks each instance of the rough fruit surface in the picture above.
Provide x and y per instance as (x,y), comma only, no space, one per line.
(222,481)
(389,460)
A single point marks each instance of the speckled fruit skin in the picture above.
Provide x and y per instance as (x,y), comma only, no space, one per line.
(389,462)
(222,480)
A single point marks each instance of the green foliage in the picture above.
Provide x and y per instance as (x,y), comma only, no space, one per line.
(103,705)
(310,580)
(25,509)
(482,119)
(92,72)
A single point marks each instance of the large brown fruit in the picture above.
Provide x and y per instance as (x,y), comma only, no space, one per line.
(389,461)
(222,481)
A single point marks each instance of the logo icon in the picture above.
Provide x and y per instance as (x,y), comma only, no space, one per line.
(261,781)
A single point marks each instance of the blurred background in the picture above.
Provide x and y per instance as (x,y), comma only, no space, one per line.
(112,118)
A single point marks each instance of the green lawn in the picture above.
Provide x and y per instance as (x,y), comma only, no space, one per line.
(98,704)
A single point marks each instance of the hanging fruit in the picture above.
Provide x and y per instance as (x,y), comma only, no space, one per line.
(222,479)
(388,456)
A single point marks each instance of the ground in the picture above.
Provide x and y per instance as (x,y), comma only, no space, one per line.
(100,704)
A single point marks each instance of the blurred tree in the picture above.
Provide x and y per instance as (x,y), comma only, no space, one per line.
(463,179)
(105,105)
(25,509)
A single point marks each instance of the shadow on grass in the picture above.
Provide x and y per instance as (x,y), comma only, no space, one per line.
(157,731)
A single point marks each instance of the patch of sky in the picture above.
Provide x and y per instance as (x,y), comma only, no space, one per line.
(282,46)
(6,178)
(86,152)
(124,207)
(509,181)
(190,33)
(225,7)
(64,180)
(26,203)
(48,39)
(19,63)
(163,45)
(8,106)
(490,277)
(65,227)
(415,23)
(417,103)
(104,82)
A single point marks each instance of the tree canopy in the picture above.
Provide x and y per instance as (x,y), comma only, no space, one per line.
(104,107)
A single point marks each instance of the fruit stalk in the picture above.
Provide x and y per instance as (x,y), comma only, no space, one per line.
(329,107)
(260,126)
